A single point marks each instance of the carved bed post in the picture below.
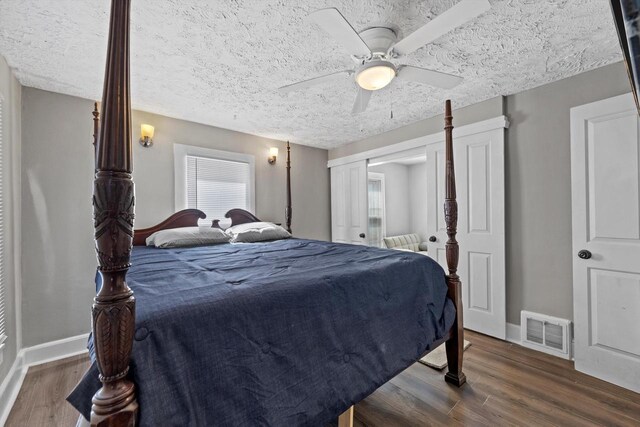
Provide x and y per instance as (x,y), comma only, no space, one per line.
(113,311)
(96,125)
(288,211)
(455,344)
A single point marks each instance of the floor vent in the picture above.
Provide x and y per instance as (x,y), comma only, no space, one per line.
(545,333)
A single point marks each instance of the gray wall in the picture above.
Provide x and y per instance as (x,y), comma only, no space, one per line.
(10,90)
(538,189)
(418,195)
(58,255)
(153,174)
(397,205)
(538,182)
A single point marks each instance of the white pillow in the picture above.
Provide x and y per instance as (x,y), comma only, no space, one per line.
(187,236)
(256,232)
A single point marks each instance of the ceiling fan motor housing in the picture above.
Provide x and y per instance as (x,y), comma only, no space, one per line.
(379,39)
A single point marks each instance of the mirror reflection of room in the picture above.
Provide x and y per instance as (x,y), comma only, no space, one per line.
(397,207)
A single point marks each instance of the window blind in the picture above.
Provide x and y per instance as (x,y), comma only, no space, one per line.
(214,185)
(3,335)
(376,212)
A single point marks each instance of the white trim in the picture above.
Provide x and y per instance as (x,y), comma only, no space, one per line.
(500,122)
(16,224)
(513,333)
(10,388)
(54,350)
(32,356)
(180,153)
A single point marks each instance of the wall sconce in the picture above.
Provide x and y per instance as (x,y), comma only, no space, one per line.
(146,135)
(273,155)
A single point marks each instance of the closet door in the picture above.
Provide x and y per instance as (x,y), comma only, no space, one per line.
(605,189)
(349,203)
(479,166)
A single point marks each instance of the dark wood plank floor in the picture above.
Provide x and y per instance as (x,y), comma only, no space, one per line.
(507,385)
(41,401)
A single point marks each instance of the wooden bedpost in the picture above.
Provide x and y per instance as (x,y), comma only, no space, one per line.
(455,344)
(288,210)
(96,124)
(113,311)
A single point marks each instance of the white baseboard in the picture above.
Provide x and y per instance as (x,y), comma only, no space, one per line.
(55,350)
(513,333)
(10,388)
(31,356)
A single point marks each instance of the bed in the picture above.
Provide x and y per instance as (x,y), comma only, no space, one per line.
(343,319)
(296,338)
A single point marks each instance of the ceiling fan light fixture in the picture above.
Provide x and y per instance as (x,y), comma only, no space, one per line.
(375,75)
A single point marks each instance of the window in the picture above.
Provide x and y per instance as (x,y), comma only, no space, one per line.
(3,335)
(377,226)
(213,181)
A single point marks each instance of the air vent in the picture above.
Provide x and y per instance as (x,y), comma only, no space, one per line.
(545,333)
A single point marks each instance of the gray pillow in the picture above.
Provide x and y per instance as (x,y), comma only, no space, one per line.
(187,236)
(256,232)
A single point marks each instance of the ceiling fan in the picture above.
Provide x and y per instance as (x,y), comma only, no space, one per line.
(374,49)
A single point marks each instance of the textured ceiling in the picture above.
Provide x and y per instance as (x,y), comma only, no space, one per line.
(220,62)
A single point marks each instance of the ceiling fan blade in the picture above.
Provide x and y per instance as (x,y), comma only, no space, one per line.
(332,21)
(429,77)
(456,16)
(315,81)
(362,100)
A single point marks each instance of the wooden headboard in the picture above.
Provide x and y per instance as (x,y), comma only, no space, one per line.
(240,216)
(184,218)
(190,218)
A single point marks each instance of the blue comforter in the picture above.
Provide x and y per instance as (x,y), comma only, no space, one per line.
(290,332)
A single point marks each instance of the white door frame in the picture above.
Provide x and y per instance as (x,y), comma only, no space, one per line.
(500,122)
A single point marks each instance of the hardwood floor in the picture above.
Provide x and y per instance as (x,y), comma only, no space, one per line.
(507,385)
(41,401)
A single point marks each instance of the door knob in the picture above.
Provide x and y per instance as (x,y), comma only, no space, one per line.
(433,239)
(362,236)
(584,254)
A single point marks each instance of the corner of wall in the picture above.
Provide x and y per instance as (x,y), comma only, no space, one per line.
(12,94)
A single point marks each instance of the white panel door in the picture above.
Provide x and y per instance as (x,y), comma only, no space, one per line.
(605,186)
(479,165)
(349,203)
